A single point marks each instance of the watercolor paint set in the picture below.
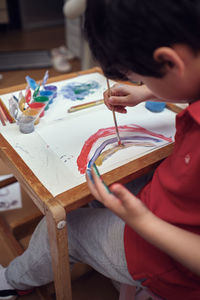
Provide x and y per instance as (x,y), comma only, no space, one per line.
(30,106)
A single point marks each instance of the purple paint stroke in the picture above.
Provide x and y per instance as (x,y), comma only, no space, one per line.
(45,78)
(114,140)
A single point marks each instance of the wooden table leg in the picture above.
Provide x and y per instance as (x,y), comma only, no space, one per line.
(57,230)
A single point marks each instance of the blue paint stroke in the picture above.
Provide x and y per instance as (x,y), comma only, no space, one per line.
(114,140)
(31,82)
(78,90)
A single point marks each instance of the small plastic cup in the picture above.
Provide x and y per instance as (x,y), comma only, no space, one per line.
(43,99)
(26,124)
(52,88)
(36,108)
(155,106)
(48,94)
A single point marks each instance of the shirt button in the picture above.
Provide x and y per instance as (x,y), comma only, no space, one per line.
(187,159)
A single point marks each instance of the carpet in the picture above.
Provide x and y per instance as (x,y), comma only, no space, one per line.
(21,60)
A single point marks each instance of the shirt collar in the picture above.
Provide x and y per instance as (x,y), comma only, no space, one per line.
(194,111)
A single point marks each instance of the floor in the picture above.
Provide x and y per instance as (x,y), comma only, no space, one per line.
(91,285)
(38,39)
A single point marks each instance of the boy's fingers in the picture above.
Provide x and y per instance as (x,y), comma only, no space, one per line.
(108,105)
(119,90)
(123,194)
(105,95)
(92,188)
(109,200)
(129,202)
(118,100)
(117,108)
(106,197)
(116,90)
(120,109)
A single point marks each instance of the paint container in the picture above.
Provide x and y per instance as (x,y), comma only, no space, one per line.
(52,88)
(36,109)
(43,99)
(155,106)
(26,124)
(48,94)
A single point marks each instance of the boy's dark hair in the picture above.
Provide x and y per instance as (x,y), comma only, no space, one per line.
(123,34)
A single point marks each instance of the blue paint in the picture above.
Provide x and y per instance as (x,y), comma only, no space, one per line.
(31,82)
(16,99)
(114,140)
(78,91)
(155,106)
(52,88)
(48,94)
(89,173)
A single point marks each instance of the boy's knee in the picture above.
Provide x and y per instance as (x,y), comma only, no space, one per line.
(41,233)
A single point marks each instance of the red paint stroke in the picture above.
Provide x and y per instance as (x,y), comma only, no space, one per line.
(83,157)
(28,95)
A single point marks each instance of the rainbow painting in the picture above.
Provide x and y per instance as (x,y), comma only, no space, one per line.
(131,136)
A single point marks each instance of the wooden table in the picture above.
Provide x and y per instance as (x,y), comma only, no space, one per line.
(56,208)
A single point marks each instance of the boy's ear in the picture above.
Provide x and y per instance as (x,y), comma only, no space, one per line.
(170,59)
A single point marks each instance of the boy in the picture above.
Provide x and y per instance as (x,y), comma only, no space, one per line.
(156,42)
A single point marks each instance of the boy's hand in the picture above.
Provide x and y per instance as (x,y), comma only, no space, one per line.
(121,202)
(126,95)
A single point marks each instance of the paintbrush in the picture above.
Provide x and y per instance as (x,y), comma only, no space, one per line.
(2,118)
(174,107)
(114,115)
(6,112)
(85,105)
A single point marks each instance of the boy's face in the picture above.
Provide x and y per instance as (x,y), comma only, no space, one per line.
(181,81)
(163,88)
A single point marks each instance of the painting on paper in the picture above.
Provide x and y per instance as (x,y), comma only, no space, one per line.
(91,137)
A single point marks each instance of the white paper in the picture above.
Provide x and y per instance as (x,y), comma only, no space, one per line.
(51,151)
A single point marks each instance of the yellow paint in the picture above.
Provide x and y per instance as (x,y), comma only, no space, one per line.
(37,121)
(105,154)
(22,104)
(31,112)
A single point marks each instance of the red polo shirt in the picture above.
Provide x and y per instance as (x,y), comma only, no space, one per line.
(174,196)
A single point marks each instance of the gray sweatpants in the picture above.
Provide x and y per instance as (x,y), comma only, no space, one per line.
(95,237)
